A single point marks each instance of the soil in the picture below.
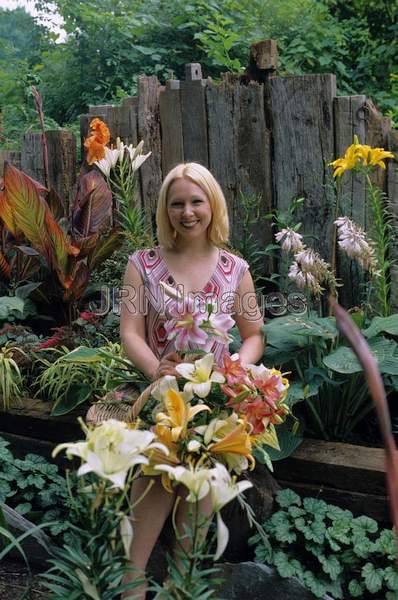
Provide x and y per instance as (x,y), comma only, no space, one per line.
(14,583)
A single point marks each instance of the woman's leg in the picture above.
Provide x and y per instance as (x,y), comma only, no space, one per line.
(149,516)
(185,515)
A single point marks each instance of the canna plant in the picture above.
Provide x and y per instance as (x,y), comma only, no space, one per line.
(51,253)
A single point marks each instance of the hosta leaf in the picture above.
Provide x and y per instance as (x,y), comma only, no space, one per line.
(76,394)
(343,360)
(84,354)
(288,442)
(379,324)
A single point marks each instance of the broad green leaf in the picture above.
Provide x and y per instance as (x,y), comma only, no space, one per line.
(287,497)
(288,442)
(379,324)
(76,394)
(343,360)
(356,588)
(83,354)
(373,578)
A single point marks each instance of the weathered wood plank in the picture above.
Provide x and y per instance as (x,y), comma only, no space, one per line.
(61,145)
(392,192)
(240,150)
(32,419)
(358,503)
(171,126)
(343,466)
(11,156)
(194,118)
(349,121)
(149,131)
(303,139)
(222,143)
(377,129)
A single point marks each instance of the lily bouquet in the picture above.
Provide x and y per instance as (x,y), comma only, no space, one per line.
(210,413)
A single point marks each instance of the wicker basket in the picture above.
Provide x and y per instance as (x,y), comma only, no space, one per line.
(121,411)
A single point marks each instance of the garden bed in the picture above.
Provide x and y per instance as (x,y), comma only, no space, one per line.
(350,476)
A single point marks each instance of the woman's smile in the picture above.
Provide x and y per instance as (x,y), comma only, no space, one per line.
(188,208)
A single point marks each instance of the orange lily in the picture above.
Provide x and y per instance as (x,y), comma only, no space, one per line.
(96,142)
(238,441)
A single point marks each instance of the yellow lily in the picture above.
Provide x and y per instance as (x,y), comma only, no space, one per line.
(178,414)
(237,442)
(378,155)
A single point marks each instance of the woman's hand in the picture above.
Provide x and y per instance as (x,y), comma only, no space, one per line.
(167,365)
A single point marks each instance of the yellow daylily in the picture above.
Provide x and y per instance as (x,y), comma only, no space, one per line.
(360,154)
(178,413)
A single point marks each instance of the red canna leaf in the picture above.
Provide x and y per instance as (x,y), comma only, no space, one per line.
(33,217)
(5,268)
(55,204)
(105,247)
(86,244)
(7,215)
(92,206)
(77,282)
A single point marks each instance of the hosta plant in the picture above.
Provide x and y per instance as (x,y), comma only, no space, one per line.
(329,550)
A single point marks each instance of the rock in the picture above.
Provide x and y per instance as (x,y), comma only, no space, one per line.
(257,582)
(261,499)
(37,545)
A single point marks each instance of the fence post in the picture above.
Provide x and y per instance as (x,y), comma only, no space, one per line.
(303,139)
(392,191)
(194,118)
(149,131)
(61,160)
(171,124)
(349,112)
(11,156)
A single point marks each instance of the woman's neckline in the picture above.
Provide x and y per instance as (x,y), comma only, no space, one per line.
(171,275)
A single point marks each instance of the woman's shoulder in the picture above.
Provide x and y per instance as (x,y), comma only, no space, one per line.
(232,266)
(146,260)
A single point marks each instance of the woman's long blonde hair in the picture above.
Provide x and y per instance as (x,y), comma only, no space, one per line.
(218,231)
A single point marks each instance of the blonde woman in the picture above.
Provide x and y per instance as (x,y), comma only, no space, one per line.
(192,229)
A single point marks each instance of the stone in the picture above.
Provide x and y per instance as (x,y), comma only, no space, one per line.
(257,582)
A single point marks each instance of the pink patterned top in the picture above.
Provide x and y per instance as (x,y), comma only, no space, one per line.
(222,287)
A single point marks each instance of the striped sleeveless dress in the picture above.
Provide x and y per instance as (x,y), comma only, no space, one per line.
(222,288)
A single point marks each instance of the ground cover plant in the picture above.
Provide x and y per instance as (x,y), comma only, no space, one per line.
(329,550)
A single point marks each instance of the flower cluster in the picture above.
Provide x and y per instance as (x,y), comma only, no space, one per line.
(198,433)
(194,322)
(352,239)
(106,158)
(308,270)
(359,156)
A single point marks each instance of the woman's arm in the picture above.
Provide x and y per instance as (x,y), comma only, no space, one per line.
(249,321)
(132,324)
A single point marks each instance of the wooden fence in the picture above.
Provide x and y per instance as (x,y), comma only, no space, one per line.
(260,134)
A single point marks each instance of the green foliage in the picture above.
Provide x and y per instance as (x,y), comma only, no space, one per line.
(92,562)
(10,377)
(329,550)
(110,42)
(32,485)
(328,377)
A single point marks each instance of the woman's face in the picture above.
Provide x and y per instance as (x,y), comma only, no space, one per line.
(188,208)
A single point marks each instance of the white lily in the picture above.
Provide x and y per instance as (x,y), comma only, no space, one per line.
(196,480)
(200,376)
(111,450)
(166,383)
(108,163)
(223,489)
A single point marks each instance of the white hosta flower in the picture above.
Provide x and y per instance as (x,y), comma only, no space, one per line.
(200,376)
(223,489)
(290,240)
(352,239)
(108,163)
(111,450)
(195,479)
